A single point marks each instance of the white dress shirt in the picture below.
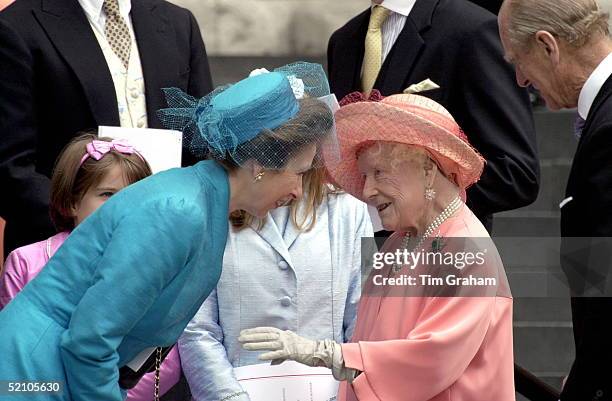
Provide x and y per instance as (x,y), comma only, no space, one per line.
(97,18)
(393,25)
(128,83)
(593,85)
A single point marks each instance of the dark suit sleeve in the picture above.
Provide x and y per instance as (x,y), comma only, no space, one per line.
(496,117)
(598,181)
(25,193)
(330,61)
(590,376)
(200,81)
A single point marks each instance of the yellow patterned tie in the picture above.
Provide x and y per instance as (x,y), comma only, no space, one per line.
(116,31)
(372,60)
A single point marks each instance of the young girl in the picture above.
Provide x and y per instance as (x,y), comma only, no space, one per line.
(88,172)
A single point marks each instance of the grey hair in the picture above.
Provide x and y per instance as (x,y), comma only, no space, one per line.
(400,153)
(574,21)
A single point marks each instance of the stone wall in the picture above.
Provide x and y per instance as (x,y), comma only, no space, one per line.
(277,28)
(270,27)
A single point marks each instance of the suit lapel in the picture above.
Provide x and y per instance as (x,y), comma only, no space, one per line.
(396,70)
(65,23)
(154,36)
(348,64)
(292,232)
(270,233)
(604,94)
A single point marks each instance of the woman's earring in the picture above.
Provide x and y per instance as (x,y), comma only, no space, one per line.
(430,194)
(258,177)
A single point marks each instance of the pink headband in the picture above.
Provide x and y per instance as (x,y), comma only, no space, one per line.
(97,149)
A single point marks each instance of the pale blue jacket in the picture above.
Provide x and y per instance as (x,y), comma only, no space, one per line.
(307,282)
(128,278)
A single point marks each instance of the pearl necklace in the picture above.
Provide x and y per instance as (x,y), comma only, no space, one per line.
(450,209)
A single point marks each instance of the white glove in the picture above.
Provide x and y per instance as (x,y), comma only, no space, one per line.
(283,345)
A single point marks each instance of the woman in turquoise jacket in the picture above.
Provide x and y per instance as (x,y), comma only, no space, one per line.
(133,274)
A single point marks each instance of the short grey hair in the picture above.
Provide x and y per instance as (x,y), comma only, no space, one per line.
(574,21)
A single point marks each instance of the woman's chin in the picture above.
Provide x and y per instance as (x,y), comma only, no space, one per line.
(389,224)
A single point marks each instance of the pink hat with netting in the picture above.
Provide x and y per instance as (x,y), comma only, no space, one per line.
(409,119)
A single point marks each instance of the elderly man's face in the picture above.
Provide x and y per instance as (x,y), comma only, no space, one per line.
(533,67)
(394,183)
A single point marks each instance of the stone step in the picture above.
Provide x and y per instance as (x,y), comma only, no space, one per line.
(228,69)
(544,346)
(552,378)
(524,223)
(529,254)
(541,311)
(553,180)
(554,130)
(542,283)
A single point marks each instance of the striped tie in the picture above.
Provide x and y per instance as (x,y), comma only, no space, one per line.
(372,60)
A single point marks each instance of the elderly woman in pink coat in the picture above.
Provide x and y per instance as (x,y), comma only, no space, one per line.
(416,339)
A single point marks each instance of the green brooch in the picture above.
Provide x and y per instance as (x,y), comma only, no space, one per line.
(437,244)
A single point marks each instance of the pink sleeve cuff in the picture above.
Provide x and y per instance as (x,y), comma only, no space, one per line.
(351,353)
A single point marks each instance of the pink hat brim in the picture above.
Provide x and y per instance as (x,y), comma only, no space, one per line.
(363,122)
